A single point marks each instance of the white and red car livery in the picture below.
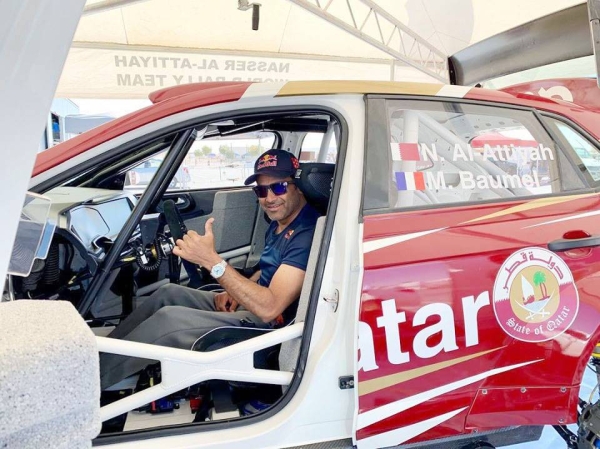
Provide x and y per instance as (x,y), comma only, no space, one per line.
(454,292)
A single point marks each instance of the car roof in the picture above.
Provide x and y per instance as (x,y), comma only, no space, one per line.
(177,99)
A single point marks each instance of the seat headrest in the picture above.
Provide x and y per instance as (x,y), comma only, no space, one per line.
(315,179)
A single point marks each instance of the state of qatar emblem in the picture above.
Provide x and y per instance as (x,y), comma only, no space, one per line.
(535,298)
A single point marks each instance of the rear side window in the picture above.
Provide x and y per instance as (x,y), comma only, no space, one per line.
(423,154)
(225,161)
(586,155)
(209,164)
(314,150)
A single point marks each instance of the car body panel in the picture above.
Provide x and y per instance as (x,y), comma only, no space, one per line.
(581,91)
(415,258)
(445,257)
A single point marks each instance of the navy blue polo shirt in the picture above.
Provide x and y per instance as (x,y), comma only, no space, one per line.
(290,247)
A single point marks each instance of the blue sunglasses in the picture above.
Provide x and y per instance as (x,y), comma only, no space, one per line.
(278,189)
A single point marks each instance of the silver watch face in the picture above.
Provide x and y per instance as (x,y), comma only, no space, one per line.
(217,271)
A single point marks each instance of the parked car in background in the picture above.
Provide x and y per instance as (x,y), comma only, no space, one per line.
(141,175)
(591,161)
(234,171)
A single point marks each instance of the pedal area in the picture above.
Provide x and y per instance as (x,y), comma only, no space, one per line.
(181,413)
(208,401)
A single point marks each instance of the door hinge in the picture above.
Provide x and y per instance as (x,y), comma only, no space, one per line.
(333,301)
(346,382)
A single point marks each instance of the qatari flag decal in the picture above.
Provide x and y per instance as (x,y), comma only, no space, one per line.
(405,151)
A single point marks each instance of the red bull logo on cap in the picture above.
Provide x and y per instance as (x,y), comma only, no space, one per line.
(267,161)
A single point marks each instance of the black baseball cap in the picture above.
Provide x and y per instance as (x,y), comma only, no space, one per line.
(278,163)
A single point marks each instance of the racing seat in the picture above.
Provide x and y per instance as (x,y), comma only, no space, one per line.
(222,392)
(315,179)
(268,358)
(290,350)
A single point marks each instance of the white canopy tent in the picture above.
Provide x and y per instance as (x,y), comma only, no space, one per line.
(128,48)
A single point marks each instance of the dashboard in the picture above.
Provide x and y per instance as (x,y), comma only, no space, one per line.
(89,213)
(106,219)
(88,221)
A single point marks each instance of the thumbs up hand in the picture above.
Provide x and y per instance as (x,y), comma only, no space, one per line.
(199,249)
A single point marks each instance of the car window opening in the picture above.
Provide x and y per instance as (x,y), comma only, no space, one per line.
(92,207)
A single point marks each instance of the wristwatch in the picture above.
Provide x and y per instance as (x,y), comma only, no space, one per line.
(218,270)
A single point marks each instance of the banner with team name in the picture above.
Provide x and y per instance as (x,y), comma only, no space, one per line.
(120,73)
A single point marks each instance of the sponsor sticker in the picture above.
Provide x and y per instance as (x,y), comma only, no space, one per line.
(410,181)
(535,298)
(523,164)
(405,151)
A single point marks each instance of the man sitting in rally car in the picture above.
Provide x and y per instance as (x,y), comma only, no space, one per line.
(176,316)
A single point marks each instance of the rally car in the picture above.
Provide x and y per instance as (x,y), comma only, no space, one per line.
(448,299)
